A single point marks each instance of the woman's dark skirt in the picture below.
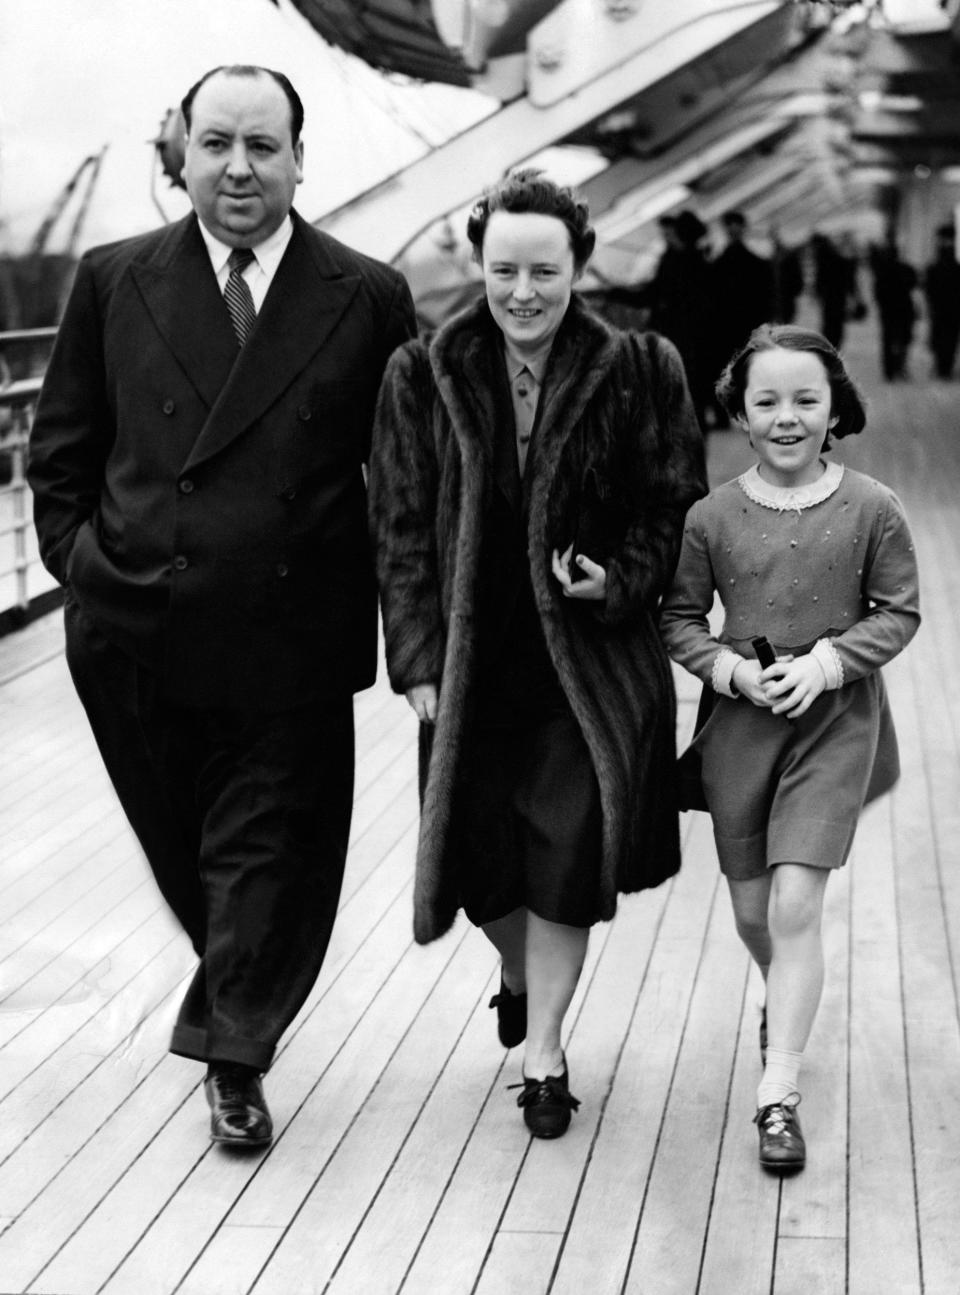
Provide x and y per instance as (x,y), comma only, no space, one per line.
(528,820)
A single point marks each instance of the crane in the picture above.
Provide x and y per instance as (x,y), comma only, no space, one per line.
(91,166)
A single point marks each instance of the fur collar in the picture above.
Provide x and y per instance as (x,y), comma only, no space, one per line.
(466,357)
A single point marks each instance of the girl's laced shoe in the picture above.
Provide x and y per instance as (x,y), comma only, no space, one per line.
(781,1141)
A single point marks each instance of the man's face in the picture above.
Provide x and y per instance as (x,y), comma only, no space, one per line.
(241,167)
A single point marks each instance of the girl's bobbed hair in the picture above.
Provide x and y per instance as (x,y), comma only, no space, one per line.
(847,403)
(529,190)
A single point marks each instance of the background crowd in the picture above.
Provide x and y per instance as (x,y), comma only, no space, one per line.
(707,299)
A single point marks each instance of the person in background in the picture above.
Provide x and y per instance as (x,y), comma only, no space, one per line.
(529,477)
(894,282)
(817,560)
(682,305)
(856,307)
(788,280)
(833,283)
(671,241)
(941,287)
(742,289)
(197,469)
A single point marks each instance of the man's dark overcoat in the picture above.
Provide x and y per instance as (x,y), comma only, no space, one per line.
(618,459)
(208,510)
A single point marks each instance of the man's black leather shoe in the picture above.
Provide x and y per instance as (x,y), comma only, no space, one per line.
(238,1109)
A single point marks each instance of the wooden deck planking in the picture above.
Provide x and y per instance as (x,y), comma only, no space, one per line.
(679,1189)
(813,1204)
(602,1235)
(147,1194)
(348,1182)
(883,1239)
(328,1120)
(122,1187)
(737,1257)
(400,1161)
(488,1168)
(930,995)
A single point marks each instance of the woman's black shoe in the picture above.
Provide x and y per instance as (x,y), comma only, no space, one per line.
(547,1104)
(511,1016)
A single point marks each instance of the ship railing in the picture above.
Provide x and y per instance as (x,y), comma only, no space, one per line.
(26,589)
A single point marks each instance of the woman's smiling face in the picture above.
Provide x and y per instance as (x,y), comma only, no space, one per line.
(787,414)
(529,272)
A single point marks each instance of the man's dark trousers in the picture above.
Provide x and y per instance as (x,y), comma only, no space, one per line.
(244,817)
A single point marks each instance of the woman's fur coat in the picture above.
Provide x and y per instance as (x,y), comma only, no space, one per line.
(619,459)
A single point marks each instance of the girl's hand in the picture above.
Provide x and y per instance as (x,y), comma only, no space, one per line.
(423,699)
(746,679)
(592,587)
(793,685)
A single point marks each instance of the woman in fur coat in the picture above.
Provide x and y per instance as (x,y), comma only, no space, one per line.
(529,478)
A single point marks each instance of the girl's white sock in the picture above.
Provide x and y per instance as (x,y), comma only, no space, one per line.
(780,1076)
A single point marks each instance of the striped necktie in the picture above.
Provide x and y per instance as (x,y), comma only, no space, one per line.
(237,294)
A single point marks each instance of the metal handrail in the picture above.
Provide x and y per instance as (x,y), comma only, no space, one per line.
(17,544)
(15,444)
(27,335)
(18,400)
(23,390)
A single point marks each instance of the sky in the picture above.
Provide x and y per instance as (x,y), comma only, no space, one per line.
(78,74)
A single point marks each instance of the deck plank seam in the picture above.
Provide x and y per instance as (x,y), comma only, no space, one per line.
(103,957)
(423,1105)
(724,1125)
(669,887)
(284,1231)
(632,1249)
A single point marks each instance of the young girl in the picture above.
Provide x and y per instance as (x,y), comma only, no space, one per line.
(818,560)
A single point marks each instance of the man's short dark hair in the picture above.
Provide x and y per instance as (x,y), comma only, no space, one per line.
(250,70)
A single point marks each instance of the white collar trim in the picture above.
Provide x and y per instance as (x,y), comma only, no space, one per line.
(783,497)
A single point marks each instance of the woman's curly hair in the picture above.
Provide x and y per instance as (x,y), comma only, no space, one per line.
(529,190)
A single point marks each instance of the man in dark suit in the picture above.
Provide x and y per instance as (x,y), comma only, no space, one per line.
(197,465)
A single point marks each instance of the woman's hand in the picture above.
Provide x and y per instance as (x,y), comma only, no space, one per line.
(792,685)
(592,587)
(423,701)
